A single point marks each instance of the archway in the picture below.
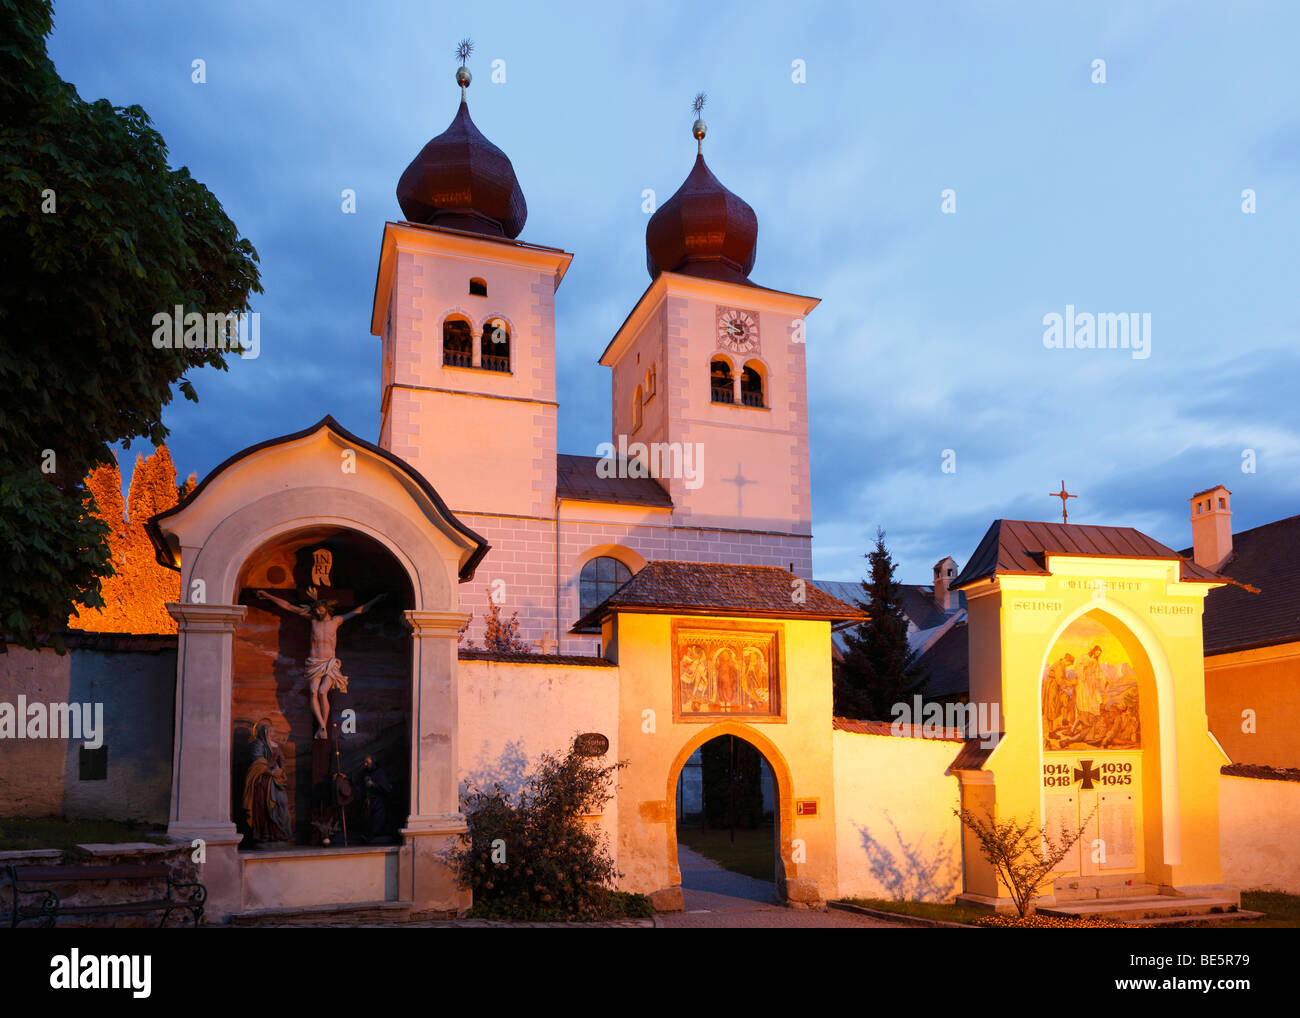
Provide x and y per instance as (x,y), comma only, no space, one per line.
(371,719)
(1100,708)
(735,836)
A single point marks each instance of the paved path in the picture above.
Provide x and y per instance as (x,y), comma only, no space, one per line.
(717,898)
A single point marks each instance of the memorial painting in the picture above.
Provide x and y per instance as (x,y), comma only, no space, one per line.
(1090,691)
(725,672)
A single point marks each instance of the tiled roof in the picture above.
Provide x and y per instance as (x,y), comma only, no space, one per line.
(576,660)
(1260,771)
(576,478)
(1268,558)
(974,754)
(713,588)
(887,728)
(1020,547)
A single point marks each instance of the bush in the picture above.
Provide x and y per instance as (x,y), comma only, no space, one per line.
(537,858)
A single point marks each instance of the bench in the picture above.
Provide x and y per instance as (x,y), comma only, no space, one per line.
(33,881)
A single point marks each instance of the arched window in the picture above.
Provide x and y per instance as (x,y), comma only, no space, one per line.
(751,387)
(478,287)
(599,579)
(494,350)
(720,384)
(636,409)
(650,382)
(457,343)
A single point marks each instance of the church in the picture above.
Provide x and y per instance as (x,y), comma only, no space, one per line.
(334,591)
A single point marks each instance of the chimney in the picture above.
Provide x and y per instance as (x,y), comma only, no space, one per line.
(945,571)
(1211,526)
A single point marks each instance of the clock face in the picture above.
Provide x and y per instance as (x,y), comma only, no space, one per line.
(737,330)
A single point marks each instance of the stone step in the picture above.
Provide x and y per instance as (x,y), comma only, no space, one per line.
(1212,917)
(358,914)
(1105,892)
(1128,909)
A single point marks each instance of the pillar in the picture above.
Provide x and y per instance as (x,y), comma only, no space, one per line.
(200,806)
(435,824)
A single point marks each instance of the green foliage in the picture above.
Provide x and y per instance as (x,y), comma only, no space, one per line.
(1023,854)
(99,235)
(537,858)
(880,669)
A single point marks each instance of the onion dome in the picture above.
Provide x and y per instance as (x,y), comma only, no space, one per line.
(461,180)
(703,229)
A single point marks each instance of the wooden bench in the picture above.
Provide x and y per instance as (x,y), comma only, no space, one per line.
(33,881)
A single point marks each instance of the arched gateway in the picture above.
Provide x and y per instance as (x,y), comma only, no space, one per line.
(258,523)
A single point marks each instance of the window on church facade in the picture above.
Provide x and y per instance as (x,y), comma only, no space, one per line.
(637,399)
(494,353)
(478,287)
(457,343)
(751,387)
(599,579)
(720,384)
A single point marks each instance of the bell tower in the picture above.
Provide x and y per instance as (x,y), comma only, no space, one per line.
(709,376)
(466,315)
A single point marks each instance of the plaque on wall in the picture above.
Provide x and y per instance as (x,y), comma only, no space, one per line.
(726,672)
(1061,811)
(1118,830)
(591,744)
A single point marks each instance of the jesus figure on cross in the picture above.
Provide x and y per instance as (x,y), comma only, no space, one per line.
(323,669)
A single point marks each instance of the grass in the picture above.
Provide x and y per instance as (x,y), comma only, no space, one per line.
(922,909)
(753,854)
(25,833)
(1282,911)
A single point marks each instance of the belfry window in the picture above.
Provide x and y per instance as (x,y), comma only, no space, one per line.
(751,387)
(494,349)
(720,384)
(457,343)
(478,287)
(599,579)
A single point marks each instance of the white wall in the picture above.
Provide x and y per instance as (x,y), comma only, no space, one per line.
(510,712)
(1259,833)
(896,835)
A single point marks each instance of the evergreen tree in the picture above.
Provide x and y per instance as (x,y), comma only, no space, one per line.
(879,669)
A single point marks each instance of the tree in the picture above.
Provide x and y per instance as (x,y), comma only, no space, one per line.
(539,857)
(136,594)
(1023,854)
(100,236)
(501,636)
(879,668)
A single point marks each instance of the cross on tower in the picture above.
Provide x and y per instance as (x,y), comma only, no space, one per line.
(1063,495)
(740,480)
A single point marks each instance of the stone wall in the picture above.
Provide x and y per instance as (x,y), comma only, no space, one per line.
(134,679)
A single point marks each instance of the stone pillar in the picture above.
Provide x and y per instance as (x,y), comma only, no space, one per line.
(200,806)
(435,822)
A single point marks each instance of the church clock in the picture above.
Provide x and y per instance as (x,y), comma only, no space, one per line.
(737,330)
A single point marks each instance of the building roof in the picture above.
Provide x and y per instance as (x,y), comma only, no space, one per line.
(715,588)
(702,230)
(576,478)
(890,728)
(1268,558)
(1020,547)
(919,606)
(948,662)
(523,657)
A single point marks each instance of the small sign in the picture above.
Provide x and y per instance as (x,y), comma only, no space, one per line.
(805,807)
(591,744)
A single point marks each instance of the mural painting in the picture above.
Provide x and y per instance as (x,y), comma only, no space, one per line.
(1090,691)
(725,672)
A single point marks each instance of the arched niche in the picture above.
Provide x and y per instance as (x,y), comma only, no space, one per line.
(268,681)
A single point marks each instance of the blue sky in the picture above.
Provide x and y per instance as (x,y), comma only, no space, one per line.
(1117,197)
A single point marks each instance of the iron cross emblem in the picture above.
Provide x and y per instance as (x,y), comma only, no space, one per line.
(1089,773)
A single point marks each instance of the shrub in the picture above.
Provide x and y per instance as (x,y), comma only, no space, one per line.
(537,858)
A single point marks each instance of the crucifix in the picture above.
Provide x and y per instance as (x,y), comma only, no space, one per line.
(1063,495)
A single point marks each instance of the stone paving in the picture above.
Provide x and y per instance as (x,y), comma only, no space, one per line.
(715,898)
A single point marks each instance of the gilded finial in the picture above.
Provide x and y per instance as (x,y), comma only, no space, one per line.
(699,128)
(463,77)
